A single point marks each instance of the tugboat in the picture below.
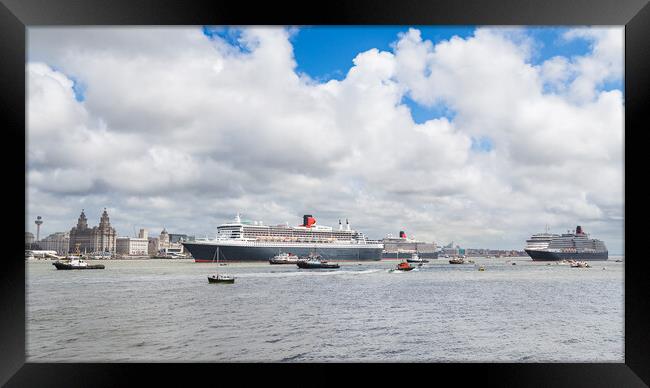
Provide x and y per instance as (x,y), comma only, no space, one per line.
(284,258)
(314,261)
(415,258)
(404,266)
(75,263)
(457,260)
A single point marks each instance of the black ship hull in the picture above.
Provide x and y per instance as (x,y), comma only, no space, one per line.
(227,281)
(307,265)
(556,256)
(205,253)
(280,262)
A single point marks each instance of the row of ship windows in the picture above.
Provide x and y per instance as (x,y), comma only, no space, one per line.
(569,243)
(261,233)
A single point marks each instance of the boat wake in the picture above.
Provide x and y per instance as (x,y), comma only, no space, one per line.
(312,272)
(392,270)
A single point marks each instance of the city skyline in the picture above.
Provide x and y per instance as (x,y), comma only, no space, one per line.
(137,230)
(482,136)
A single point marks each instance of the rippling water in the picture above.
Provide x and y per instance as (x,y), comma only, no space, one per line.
(165,310)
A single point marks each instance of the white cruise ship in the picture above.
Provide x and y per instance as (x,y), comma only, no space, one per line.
(574,245)
(253,241)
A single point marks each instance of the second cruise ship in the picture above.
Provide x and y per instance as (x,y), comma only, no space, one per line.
(403,247)
(573,245)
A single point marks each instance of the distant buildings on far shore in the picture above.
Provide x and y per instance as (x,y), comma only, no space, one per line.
(103,238)
(100,238)
(495,252)
(59,242)
(133,246)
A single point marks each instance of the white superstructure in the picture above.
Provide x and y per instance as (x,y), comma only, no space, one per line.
(250,233)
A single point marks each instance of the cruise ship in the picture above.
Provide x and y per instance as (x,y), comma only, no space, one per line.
(574,245)
(253,241)
(403,247)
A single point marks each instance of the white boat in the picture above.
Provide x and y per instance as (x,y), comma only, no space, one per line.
(415,258)
(284,258)
(75,263)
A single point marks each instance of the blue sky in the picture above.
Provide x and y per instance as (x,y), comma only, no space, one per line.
(326,52)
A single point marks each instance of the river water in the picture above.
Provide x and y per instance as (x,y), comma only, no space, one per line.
(165,310)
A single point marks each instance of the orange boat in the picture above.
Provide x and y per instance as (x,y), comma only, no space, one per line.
(404,266)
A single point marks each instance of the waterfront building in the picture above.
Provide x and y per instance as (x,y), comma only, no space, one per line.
(30,241)
(154,246)
(173,249)
(450,250)
(175,238)
(163,239)
(166,244)
(59,242)
(132,246)
(100,238)
(143,234)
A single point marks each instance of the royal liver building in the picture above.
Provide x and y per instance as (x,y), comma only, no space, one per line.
(96,239)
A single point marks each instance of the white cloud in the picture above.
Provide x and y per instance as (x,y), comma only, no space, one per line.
(182,131)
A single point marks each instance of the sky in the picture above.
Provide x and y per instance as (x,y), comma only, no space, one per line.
(477,135)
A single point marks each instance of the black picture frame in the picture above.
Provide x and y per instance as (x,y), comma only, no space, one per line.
(17,15)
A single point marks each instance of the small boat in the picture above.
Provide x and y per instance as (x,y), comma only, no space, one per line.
(313,261)
(457,260)
(481,268)
(75,263)
(404,266)
(100,255)
(415,258)
(284,258)
(580,264)
(221,278)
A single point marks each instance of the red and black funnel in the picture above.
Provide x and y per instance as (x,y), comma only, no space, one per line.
(308,220)
(579,229)
(402,234)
